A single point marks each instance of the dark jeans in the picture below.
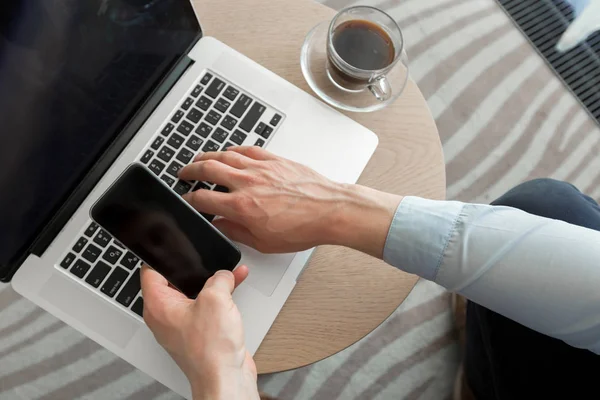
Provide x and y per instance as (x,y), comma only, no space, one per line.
(505,360)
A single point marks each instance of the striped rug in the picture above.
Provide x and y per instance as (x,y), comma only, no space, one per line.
(503,118)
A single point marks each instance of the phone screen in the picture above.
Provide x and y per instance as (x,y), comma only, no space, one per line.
(163,230)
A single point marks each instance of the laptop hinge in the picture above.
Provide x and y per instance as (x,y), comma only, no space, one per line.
(89,181)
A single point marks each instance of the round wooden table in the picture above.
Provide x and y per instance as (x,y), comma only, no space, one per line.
(343,294)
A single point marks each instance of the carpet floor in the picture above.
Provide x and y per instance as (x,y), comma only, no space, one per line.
(503,118)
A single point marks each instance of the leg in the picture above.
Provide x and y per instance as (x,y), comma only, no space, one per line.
(505,360)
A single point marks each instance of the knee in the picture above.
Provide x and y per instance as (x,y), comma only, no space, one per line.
(543,188)
(541,196)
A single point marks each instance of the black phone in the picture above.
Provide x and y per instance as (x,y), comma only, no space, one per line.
(163,230)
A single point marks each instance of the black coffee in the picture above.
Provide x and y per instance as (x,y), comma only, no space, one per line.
(363,44)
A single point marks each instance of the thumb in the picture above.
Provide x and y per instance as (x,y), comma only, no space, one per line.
(156,292)
(152,282)
(222,281)
(235,231)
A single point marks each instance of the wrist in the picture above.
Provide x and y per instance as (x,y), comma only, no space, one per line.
(363,218)
(226,386)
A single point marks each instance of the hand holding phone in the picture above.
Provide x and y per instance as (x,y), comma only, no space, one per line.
(152,221)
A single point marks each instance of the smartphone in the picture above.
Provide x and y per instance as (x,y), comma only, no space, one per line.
(163,230)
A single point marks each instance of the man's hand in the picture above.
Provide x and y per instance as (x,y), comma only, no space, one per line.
(205,336)
(279,206)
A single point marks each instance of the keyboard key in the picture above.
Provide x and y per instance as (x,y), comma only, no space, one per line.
(204,130)
(220,188)
(185,127)
(215,87)
(167,129)
(228,145)
(91,253)
(147,156)
(231,93)
(114,281)
(174,167)
(275,120)
(182,187)
(194,142)
(213,117)
(204,103)
(254,114)
(175,141)
(206,78)
(157,142)
(241,105)
(222,105)
(112,254)
(98,274)
(177,116)
(67,261)
(168,180)
(130,260)
(210,146)
(130,290)
(260,128)
(259,142)
(238,137)
(80,245)
(156,167)
(197,90)
(80,268)
(166,153)
(201,185)
(229,122)
(138,307)
(185,156)
(103,238)
(220,135)
(267,132)
(195,115)
(189,101)
(91,229)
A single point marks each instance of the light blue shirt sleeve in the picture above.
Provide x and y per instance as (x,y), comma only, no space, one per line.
(542,273)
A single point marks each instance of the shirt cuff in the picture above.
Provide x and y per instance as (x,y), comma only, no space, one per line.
(419,234)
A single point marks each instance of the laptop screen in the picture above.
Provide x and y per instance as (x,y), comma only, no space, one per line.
(72,73)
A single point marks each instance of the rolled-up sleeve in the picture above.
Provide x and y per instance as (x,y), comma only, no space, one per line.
(542,273)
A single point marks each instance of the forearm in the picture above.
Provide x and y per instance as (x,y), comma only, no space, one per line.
(539,272)
(228,386)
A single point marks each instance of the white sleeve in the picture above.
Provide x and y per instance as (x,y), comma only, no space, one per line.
(542,273)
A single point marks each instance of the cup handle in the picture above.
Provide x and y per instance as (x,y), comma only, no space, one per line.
(380,87)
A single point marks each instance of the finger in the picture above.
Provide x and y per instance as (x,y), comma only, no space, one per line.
(210,171)
(231,158)
(210,202)
(222,281)
(240,274)
(151,281)
(235,231)
(156,292)
(254,152)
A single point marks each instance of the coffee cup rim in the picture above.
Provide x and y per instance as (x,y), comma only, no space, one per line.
(346,64)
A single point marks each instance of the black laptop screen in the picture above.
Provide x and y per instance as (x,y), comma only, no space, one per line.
(72,73)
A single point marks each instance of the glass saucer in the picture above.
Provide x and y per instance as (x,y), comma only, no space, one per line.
(313,60)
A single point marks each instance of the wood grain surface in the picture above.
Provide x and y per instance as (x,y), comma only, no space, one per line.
(342,295)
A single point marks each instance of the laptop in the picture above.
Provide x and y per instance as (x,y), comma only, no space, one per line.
(89,87)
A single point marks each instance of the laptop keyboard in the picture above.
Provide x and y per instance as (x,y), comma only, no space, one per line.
(213,116)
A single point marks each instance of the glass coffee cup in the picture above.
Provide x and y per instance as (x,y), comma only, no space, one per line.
(357,62)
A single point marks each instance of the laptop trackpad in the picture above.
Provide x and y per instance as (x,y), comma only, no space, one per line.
(266,270)
(96,314)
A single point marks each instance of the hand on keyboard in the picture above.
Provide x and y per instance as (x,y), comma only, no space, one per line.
(280,206)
